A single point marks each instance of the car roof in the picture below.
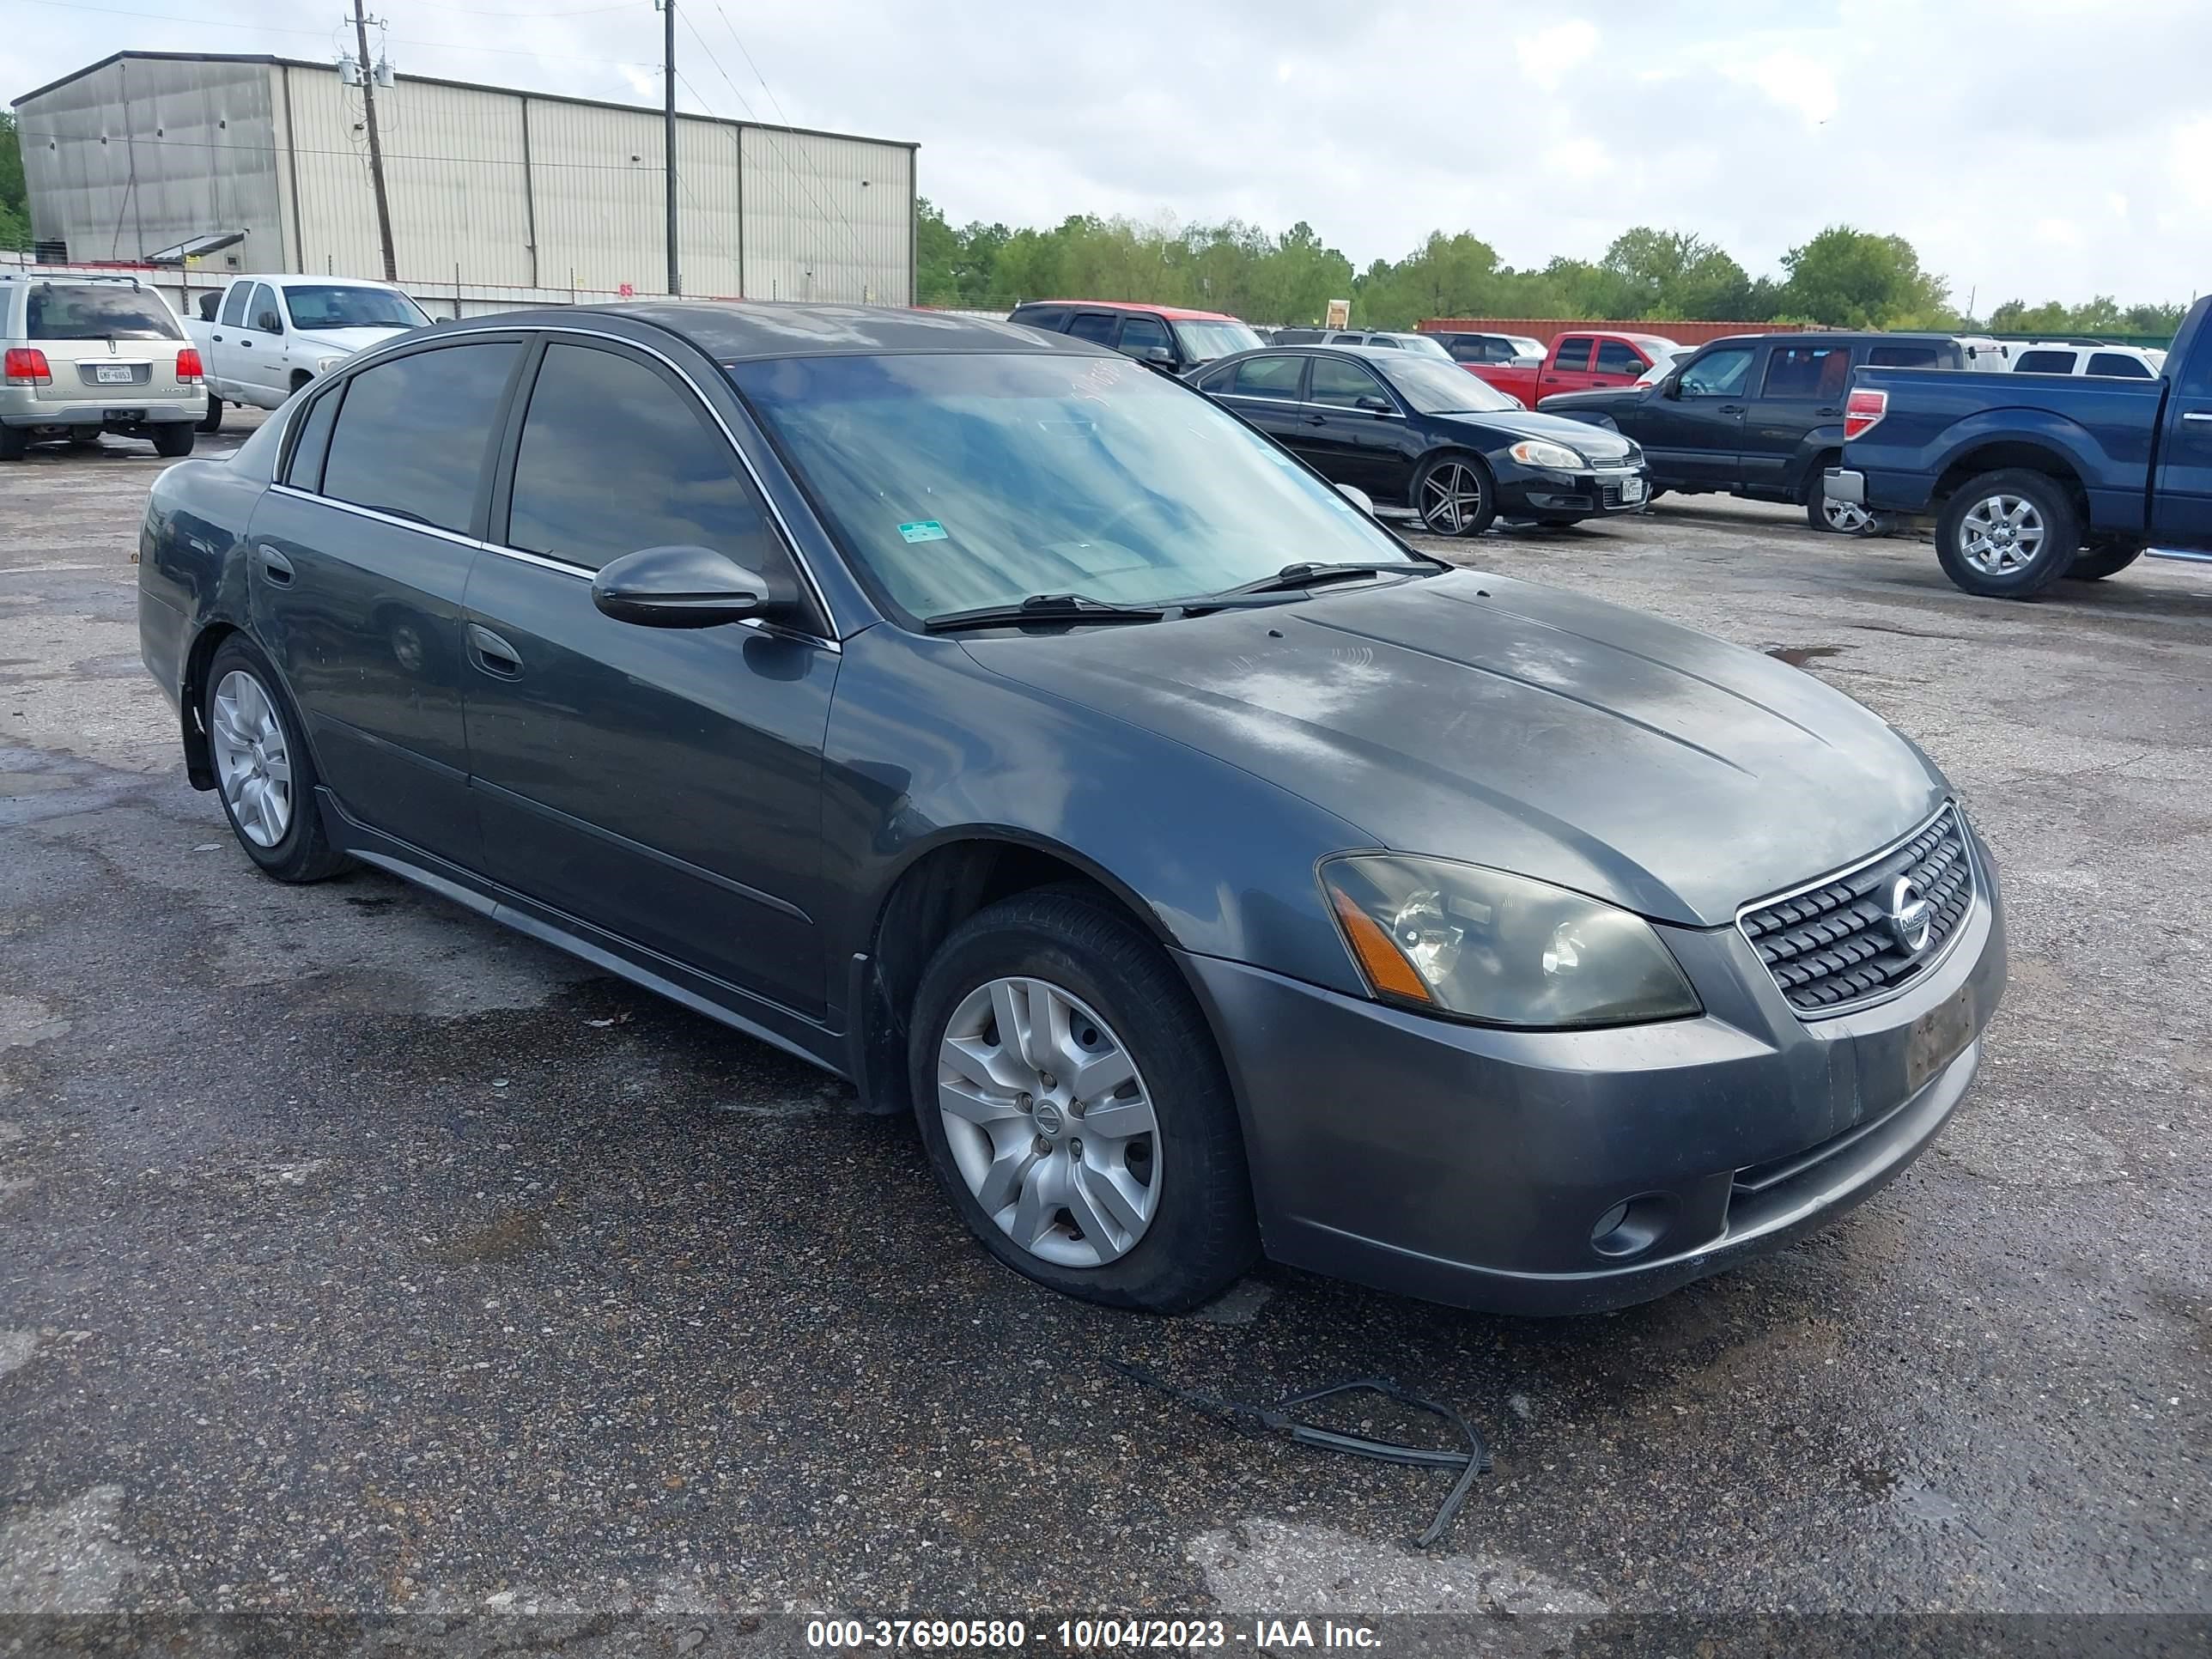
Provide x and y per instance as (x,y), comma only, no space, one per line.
(1181,313)
(735,330)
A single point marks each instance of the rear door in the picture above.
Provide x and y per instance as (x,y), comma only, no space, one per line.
(1096,326)
(1801,389)
(357,564)
(2181,506)
(226,362)
(1268,390)
(1691,426)
(663,785)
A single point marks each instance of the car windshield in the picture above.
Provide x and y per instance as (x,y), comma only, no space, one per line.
(319,305)
(1444,388)
(1203,342)
(1427,345)
(961,481)
(87,311)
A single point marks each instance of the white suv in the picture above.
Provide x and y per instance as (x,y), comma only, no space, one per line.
(88,354)
(2124,362)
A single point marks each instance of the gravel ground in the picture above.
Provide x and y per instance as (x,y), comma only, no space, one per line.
(362,1257)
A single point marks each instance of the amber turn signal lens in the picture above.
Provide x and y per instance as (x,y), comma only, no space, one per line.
(1386,967)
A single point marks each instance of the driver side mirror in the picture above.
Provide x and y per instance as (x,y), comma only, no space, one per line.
(1671,388)
(270,323)
(1159,357)
(1373,404)
(680,586)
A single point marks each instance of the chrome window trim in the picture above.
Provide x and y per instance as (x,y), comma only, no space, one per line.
(774,512)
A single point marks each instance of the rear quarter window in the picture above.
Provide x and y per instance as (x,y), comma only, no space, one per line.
(2119,365)
(1903,356)
(2045,362)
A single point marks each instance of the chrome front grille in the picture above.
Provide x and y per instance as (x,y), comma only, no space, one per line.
(1839,944)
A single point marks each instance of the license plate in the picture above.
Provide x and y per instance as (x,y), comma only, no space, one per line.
(1631,490)
(1938,1038)
(113,374)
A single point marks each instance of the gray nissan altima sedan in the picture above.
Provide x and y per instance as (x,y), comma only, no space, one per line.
(1005,727)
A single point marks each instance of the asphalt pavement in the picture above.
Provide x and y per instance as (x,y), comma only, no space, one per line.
(356,1255)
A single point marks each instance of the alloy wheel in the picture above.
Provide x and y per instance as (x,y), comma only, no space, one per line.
(1048,1121)
(2001,535)
(1846,518)
(1451,498)
(252,763)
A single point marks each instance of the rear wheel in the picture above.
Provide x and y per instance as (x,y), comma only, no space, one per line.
(1075,1108)
(264,774)
(2008,534)
(1453,495)
(174,438)
(2101,559)
(1825,513)
(212,421)
(85,439)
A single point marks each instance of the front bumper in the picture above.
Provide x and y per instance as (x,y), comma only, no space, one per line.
(1470,1165)
(1529,491)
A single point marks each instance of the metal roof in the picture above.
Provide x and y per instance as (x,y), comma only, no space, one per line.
(439,81)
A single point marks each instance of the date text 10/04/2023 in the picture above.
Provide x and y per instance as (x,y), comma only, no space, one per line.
(1087,1635)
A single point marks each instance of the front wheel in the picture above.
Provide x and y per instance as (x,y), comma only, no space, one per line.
(2101,559)
(2008,534)
(1453,495)
(1075,1108)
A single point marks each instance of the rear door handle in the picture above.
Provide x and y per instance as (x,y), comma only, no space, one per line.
(2197,415)
(1828,411)
(492,654)
(277,566)
(247,343)
(1317,420)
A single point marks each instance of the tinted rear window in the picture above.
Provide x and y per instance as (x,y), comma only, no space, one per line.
(2045,362)
(411,437)
(2121,365)
(89,311)
(1903,356)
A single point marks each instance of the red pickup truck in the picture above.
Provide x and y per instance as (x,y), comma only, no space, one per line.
(1580,362)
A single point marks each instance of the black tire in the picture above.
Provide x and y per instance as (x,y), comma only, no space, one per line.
(304,852)
(14,440)
(1202,1236)
(1428,480)
(1559,523)
(212,421)
(173,438)
(85,440)
(2101,559)
(2055,514)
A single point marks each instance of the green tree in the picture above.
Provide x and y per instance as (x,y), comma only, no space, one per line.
(1672,273)
(14,198)
(1851,278)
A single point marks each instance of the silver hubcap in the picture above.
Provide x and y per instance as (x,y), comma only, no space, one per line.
(1451,498)
(2001,535)
(1049,1123)
(252,762)
(1846,517)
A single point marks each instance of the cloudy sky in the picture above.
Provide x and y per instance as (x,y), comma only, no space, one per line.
(2030,149)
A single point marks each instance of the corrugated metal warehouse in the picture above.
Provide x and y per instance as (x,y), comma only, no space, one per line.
(489,186)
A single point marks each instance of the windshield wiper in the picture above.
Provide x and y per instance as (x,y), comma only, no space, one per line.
(1292,577)
(1044,608)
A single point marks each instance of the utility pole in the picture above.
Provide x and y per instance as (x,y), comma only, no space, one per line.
(668,135)
(375,144)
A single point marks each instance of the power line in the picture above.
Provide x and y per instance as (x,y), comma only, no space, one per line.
(324,35)
(355,156)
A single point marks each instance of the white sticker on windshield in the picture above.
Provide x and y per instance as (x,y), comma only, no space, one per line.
(923,530)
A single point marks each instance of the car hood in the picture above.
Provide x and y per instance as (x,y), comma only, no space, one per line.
(1597,399)
(346,339)
(1513,424)
(1478,717)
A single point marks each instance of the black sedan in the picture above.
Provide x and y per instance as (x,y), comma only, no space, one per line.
(1426,436)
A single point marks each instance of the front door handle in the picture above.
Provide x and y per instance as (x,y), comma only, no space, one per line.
(278,568)
(2197,415)
(247,343)
(1730,409)
(492,654)
(1317,420)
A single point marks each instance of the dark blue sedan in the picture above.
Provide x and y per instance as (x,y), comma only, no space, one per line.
(1000,724)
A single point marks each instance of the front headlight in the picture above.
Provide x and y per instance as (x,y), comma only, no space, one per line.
(1540,452)
(1456,938)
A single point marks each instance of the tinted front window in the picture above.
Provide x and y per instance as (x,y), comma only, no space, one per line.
(1717,374)
(1436,388)
(1469,349)
(1142,334)
(1097,326)
(2117,363)
(1269,377)
(957,480)
(318,305)
(2044,362)
(90,311)
(1574,354)
(1807,372)
(1618,358)
(614,458)
(262,314)
(411,436)
(1342,384)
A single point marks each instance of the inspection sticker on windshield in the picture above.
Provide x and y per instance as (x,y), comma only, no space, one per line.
(923,530)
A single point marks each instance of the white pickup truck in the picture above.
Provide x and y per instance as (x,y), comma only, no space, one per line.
(261,338)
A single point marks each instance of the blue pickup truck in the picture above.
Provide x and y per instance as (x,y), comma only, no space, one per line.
(2033,478)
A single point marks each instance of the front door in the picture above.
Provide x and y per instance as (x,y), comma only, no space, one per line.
(662,785)
(2181,506)
(1692,427)
(356,567)
(1351,431)
(1801,390)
